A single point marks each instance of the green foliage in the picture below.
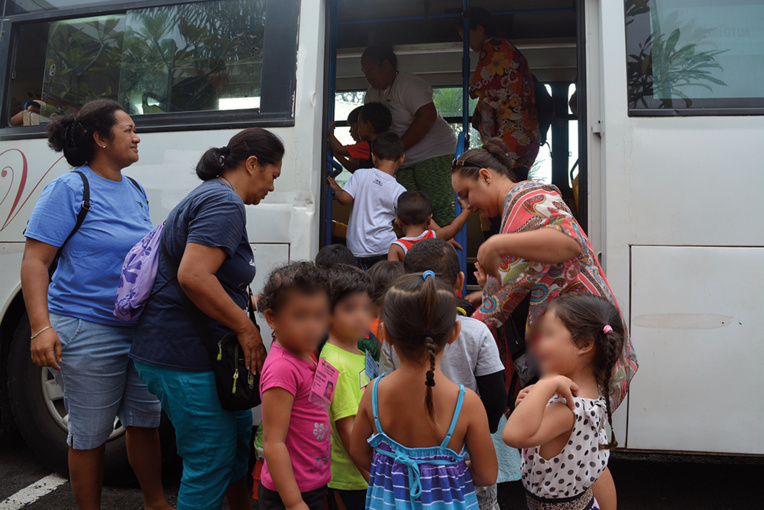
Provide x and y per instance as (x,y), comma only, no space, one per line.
(83,60)
(663,68)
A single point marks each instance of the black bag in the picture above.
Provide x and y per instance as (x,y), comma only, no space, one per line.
(238,388)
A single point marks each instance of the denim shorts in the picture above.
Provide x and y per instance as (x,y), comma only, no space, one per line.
(213,443)
(99,382)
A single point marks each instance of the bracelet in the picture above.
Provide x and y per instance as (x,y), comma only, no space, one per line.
(46,328)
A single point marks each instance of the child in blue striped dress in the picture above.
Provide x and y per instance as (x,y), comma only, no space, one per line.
(416,455)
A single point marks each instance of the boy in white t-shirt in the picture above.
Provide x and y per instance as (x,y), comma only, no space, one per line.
(373,193)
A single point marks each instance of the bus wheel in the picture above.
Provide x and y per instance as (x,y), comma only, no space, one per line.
(38,409)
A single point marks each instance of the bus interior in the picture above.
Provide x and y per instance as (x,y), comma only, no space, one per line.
(426,40)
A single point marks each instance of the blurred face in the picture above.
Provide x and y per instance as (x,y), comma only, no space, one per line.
(378,75)
(123,146)
(301,322)
(354,131)
(352,316)
(262,180)
(554,348)
(481,197)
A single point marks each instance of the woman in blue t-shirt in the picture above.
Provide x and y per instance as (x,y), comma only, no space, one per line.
(205,236)
(74,330)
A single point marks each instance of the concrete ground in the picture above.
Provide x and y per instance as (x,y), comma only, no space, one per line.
(644,482)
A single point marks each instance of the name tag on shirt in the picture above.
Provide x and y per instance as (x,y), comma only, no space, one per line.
(324,383)
(372,368)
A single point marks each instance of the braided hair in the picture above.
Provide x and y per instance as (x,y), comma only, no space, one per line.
(419,313)
(595,319)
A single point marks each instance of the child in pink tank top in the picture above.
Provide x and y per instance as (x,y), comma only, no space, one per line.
(296,428)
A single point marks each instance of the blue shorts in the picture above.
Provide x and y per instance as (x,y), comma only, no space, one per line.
(213,443)
(99,382)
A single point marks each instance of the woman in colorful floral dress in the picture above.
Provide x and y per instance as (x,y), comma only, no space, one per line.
(503,85)
(541,250)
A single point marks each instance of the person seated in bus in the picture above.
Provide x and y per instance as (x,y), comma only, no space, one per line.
(374,118)
(415,219)
(373,193)
(29,115)
(333,254)
(503,85)
(351,313)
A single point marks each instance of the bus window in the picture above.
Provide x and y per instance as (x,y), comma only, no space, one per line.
(28,6)
(184,57)
(192,57)
(687,57)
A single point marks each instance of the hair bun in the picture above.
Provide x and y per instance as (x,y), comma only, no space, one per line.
(498,148)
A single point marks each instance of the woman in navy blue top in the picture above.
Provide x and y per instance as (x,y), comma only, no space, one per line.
(74,331)
(206,237)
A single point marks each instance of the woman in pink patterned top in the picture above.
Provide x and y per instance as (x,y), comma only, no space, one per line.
(541,250)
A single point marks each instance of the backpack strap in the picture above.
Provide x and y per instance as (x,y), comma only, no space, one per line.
(135,183)
(84,208)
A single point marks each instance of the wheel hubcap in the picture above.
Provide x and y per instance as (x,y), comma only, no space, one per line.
(54,401)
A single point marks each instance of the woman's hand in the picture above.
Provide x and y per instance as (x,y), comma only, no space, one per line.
(254,351)
(480,275)
(488,257)
(46,350)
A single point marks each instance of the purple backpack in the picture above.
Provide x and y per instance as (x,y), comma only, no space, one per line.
(138,275)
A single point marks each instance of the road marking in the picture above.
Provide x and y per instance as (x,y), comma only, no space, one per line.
(33,492)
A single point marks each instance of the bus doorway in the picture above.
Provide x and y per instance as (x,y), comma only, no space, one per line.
(427,43)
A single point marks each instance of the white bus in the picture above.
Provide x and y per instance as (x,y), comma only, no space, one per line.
(663,161)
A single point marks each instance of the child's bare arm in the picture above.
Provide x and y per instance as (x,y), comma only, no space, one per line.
(449,231)
(360,450)
(534,423)
(396,253)
(277,411)
(336,145)
(342,196)
(483,463)
(350,164)
(345,431)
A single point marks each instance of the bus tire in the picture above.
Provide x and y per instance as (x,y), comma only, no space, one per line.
(34,418)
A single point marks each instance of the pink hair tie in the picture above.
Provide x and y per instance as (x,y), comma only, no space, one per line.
(607,329)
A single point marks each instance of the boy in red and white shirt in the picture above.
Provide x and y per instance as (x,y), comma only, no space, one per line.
(415,219)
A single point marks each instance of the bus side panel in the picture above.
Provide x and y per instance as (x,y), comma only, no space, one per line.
(697,314)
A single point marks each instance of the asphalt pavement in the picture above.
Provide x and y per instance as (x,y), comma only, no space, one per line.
(644,482)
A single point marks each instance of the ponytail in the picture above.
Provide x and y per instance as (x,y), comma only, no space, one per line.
(73,134)
(419,313)
(258,142)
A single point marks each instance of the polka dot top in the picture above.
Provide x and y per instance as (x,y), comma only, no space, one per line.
(580,462)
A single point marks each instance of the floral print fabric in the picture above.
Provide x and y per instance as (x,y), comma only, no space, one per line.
(506,108)
(531,206)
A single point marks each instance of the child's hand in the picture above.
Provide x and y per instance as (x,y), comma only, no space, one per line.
(565,388)
(480,275)
(333,184)
(464,205)
(299,506)
(456,245)
(332,125)
(523,393)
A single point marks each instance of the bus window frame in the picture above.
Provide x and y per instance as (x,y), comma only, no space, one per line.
(701,106)
(279,65)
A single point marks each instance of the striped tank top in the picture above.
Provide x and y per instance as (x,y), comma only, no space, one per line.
(411,478)
(407,242)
